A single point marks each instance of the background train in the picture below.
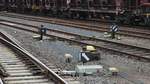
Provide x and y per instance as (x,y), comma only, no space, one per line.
(122,11)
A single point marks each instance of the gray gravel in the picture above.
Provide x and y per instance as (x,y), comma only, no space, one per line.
(49,51)
(124,39)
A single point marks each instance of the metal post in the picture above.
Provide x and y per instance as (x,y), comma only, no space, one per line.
(42,32)
(113,34)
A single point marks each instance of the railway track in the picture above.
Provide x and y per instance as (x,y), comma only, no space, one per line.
(132,51)
(140,33)
(21,67)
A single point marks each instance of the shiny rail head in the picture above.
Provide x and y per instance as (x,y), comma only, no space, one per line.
(11,42)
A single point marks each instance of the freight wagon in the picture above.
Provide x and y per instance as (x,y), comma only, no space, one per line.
(82,9)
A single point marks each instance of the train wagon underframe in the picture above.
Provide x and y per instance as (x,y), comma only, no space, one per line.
(93,14)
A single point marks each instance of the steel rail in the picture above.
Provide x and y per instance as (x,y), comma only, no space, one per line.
(84,43)
(72,34)
(83,26)
(121,76)
(93,20)
(52,75)
(1,81)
